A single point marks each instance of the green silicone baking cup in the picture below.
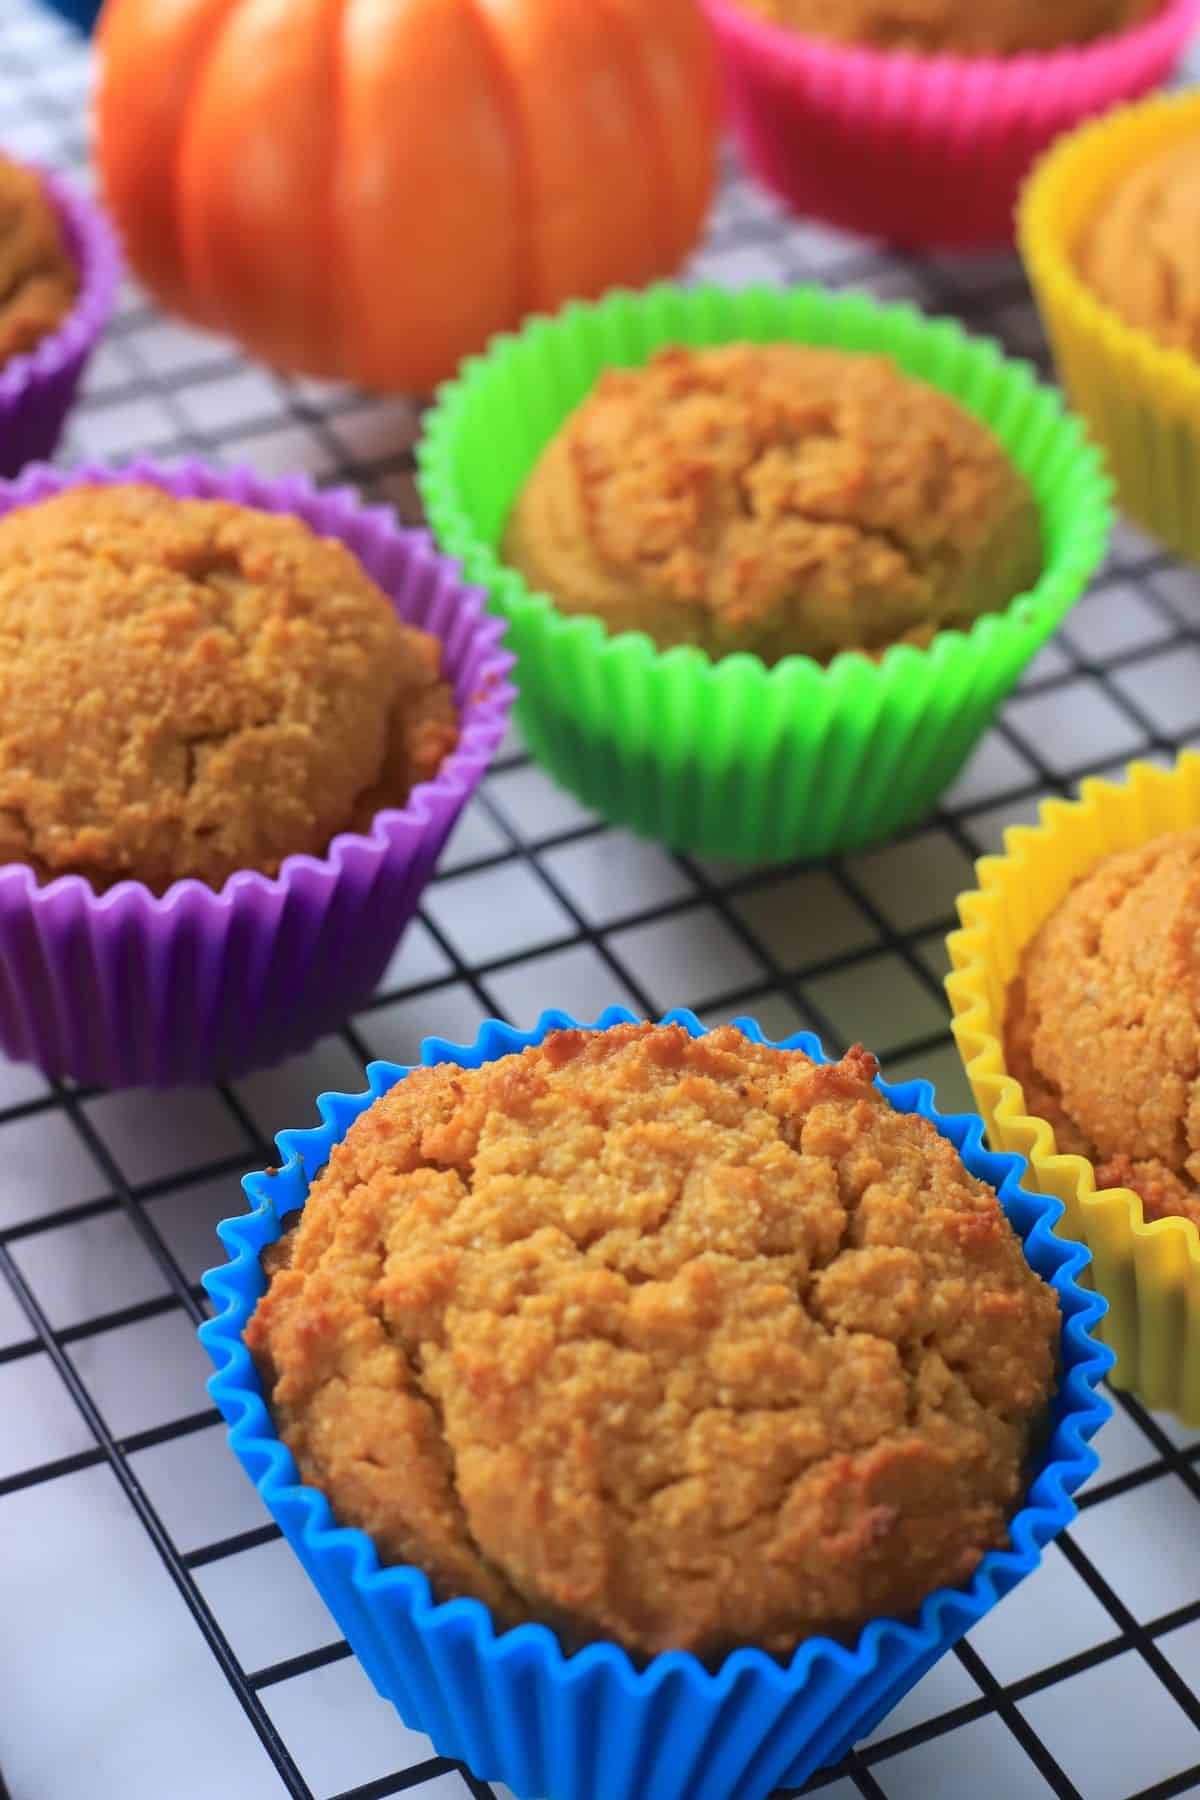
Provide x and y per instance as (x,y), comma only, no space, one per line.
(730,758)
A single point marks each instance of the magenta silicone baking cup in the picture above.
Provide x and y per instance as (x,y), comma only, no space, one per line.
(926,152)
(36,389)
(129,987)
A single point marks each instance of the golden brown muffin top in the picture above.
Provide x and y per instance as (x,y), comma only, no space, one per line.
(188,688)
(962,27)
(778,499)
(1137,253)
(38,280)
(686,1343)
(1103,1026)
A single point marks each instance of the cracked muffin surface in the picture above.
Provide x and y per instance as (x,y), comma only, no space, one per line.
(189,688)
(777,499)
(961,27)
(687,1343)
(1102,1025)
(39,282)
(1135,254)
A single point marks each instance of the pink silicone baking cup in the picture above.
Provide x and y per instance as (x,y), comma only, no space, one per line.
(128,987)
(37,388)
(925,152)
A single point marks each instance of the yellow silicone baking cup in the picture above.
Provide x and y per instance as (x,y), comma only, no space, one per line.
(1149,1273)
(1141,400)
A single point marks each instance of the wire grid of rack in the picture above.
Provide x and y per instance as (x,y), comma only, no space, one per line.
(156,1636)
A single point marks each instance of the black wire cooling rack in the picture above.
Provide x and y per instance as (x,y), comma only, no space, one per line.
(156,1637)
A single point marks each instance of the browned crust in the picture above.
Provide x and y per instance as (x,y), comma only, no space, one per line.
(778,499)
(962,27)
(1102,1023)
(39,282)
(1134,253)
(687,1343)
(189,688)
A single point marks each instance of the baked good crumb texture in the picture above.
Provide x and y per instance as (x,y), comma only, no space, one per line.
(190,688)
(960,27)
(38,279)
(1103,1023)
(684,1343)
(777,499)
(1135,253)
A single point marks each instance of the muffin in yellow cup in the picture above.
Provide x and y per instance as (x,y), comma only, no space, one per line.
(1130,375)
(1148,1271)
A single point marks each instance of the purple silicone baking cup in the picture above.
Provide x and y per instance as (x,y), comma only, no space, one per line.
(36,390)
(128,987)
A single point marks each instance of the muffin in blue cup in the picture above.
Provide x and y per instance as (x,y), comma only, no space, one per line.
(871,1400)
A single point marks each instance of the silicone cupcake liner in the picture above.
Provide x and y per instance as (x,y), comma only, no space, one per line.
(1150,1274)
(928,152)
(36,390)
(730,758)
(128,987)
(591,1726)
(1141,400)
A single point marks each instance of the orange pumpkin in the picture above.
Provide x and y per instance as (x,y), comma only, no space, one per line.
(367,189)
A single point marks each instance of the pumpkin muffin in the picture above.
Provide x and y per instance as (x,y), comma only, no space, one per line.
(1137,253)
(189,688)
(1103,1023)
(959,27)
(39,282)
(777,499)
(685,1343)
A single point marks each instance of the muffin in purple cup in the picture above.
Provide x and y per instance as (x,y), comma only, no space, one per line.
(63,269)
(232,745)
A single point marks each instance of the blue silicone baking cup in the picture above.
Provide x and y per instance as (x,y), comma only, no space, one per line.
(592,1726)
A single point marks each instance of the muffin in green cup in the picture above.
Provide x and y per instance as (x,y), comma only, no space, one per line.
(731,757)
